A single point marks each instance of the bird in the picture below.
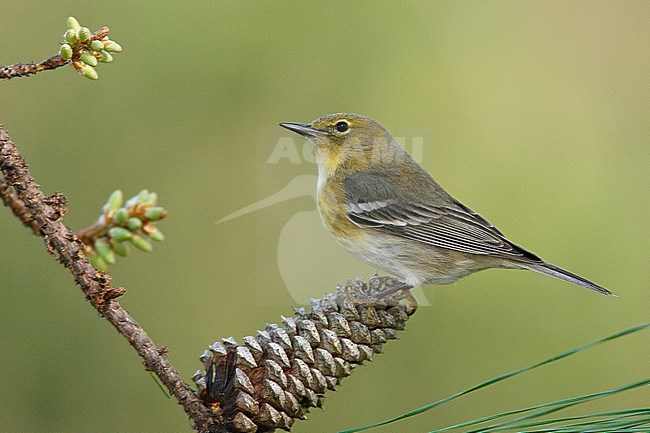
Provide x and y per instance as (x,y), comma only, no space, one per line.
(388,211)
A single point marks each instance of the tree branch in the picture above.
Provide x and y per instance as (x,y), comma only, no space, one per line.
(44,216)
(10,200)
(24,70)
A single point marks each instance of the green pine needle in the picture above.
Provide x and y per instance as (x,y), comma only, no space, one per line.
(162,388)
(624,426)
(591,420)
(548,408)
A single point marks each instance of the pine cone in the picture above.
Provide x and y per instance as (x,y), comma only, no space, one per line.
(274,378)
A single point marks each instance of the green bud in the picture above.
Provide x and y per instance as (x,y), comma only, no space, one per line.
(89,72)
(109,258)
(115,200)
(141,243)
(70,36)
(121,249)
(120,234)
(88,58)
(155,213)
(84,34)
(97,46)
(105,57)
(139,198)
(121,216)
(134,224)
(113,47)
(73,24)
(101,246)
(152,199)
(156,235)
(98,263)
(142,196)
(65,51)
(104,251)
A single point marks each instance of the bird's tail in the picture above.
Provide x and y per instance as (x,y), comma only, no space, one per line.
(554,271)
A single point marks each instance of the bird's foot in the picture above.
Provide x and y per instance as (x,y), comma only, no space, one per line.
(397,287)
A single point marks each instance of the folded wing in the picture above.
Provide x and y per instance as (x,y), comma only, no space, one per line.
(452,226)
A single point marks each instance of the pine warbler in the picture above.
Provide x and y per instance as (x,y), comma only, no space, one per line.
(389,212)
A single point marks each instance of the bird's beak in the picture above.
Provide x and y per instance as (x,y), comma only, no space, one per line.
(301,128)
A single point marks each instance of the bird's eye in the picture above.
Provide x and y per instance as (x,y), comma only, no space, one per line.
(342,126)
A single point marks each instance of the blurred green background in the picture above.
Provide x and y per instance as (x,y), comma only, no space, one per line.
(534,113)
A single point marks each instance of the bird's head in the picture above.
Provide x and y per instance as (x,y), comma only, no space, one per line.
(346,141)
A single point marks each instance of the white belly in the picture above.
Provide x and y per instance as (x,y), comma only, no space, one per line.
(415,262)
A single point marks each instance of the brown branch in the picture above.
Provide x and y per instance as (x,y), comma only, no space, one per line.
(26,69)
(10,200)
(44,216)
(89,234)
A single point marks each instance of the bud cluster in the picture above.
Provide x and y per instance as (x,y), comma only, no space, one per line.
(121,224)
(274,378)
(86,49)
